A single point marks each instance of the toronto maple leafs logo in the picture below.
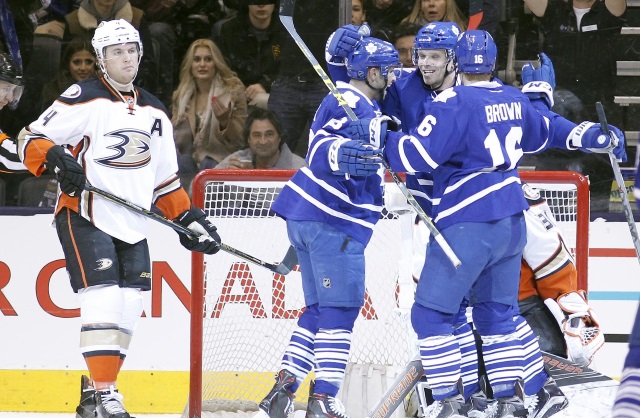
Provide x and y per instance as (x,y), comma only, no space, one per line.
(371,47)
(131,149)
(351,99)
(445,95)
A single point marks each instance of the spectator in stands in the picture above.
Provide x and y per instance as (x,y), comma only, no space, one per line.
(266,149)
(384,15)
(250,43)
(404,37)
(574,30)
(84,21)
(209,109)
(580,39)
(78,63)
(298,90)
(427,11)
(359,11)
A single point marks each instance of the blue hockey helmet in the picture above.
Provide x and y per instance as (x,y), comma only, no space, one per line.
(476,52)
(371,52)
(436,35)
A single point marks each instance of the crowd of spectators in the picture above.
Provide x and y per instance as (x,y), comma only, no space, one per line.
(215,62)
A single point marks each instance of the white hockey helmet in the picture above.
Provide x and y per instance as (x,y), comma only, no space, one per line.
(114,32)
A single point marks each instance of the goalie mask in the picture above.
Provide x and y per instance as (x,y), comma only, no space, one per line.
(476,52)
(10,81)
(371,52)
(114,32)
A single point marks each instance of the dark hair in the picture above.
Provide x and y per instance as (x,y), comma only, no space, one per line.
(78,43)
(259,113)
(405,29)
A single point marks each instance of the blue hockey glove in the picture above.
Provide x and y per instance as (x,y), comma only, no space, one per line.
(343,41)
(588,137)
(544,73)
(354,158)
(208,240)
(539,82)
(373,131)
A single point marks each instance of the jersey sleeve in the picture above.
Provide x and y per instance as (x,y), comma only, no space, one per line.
(62,123)
(331,124)
(428,145)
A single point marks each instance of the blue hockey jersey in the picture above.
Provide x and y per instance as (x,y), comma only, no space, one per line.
(406,99)
(471,140)
(352,205)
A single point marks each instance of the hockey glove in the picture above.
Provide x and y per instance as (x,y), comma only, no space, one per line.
(373,131)
(578,324)
(70,174)
(354,158)
(543,73)
(343,40)
(588,137)
(208,240)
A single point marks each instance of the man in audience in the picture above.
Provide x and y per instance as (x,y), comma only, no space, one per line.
(266,149)
(251,45)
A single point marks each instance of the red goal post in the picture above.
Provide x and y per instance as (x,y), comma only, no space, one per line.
(242,315)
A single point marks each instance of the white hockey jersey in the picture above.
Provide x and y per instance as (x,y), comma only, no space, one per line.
(125,144)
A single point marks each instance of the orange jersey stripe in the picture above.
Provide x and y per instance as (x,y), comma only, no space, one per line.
(562,281)
(173,204)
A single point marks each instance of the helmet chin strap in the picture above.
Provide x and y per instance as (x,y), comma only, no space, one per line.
(116,85)
(446,74)
(380,90)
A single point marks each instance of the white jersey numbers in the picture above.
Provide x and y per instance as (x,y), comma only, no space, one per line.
(511,148)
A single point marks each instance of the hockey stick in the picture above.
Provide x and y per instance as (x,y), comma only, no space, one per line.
(286,17)
(284,267)
(398,391)
(622,188)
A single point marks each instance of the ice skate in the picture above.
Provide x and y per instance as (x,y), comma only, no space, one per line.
(87,406)
(479,405)
(451,407)
(109,404)
(512,406)
(548,401)
(279,401)
(321,405)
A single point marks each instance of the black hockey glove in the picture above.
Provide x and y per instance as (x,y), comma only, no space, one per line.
(70,174)
(208,240)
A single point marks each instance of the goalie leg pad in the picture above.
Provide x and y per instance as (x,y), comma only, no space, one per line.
(543,325)
(579,325)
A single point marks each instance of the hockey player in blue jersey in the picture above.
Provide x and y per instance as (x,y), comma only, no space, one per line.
(331,208)
(627,403)
(434,57)
(478,206)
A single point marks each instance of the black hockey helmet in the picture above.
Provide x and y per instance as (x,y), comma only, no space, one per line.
(9,70)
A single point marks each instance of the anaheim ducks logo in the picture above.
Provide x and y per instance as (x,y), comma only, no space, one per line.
(131,151)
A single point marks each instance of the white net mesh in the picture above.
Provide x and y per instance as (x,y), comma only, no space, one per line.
(250,311)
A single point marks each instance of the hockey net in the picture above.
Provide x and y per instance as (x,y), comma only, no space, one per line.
(242,314)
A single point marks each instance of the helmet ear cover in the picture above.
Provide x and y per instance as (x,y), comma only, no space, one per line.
(371,52)
(476,52)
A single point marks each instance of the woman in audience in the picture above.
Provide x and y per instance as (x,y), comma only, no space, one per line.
(209,109)
(425,11)
(78,63)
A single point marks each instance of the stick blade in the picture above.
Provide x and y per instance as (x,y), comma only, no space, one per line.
(286,7)
(288,263)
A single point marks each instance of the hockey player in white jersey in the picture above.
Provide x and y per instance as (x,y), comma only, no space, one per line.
(331,208)
(118,138)
(10,92)
(478,207)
